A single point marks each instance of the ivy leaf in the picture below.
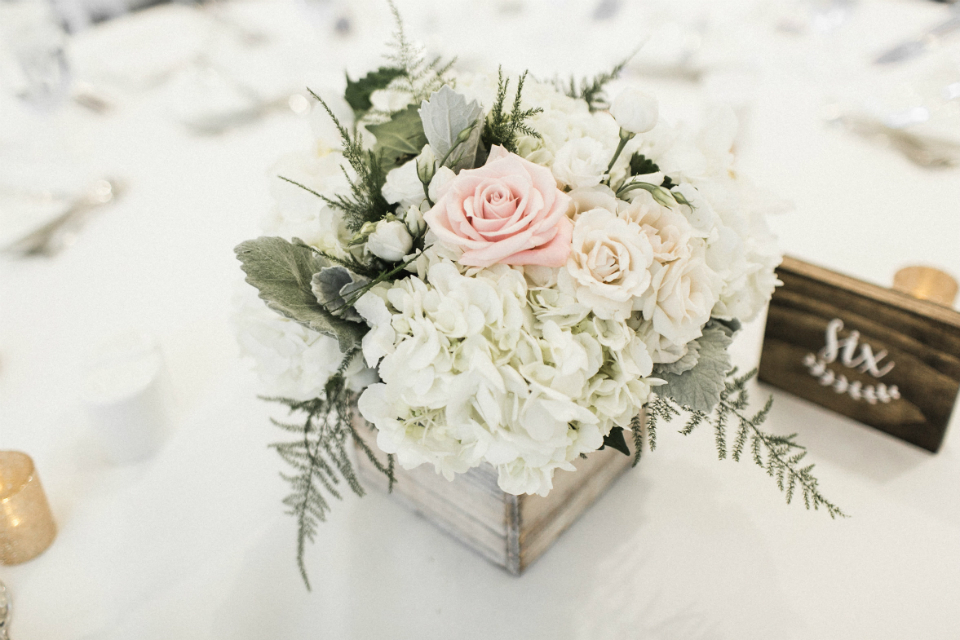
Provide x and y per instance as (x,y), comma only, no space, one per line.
(402,135)
(615,440)
(700,387)
(641,165)
(445,117)
(358,92)
(283,273)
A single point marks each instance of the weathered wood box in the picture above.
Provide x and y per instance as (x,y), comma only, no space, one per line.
(511,531)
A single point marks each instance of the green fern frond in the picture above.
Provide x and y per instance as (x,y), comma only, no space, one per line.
(420,78)
(502,127)
(320,458)
(778,455)
(365,203)
(593,90)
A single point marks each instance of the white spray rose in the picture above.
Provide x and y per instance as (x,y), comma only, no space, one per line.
(681,296)
(581,163)
(390,241)
(609,264)
(635,111)
(389,100)
(403,186)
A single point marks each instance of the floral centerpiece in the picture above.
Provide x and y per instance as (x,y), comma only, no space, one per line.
(505,271)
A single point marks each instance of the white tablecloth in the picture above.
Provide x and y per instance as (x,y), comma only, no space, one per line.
(193,543)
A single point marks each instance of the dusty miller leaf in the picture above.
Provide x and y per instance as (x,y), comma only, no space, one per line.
(283,273)
(445,116)
(687,362)
(700,387)
(401,135)
(358,92)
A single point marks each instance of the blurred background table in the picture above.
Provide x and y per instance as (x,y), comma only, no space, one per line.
(193,543)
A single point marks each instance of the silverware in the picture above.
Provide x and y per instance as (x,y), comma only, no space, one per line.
(218,124)
(916,46)
(4,613)
(924,150)
(62,231)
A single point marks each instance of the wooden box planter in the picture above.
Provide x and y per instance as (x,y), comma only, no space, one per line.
(511,531)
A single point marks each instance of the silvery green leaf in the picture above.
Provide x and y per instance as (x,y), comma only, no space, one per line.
(332,286)
(445,116)
(730,326)
(687,362)
(401,135)
(358,92)
(283,273)
(700,387)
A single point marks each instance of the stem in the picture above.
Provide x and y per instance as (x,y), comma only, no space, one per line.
(426,192)
(625,137)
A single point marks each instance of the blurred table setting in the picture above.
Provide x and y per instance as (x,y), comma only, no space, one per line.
(137,151)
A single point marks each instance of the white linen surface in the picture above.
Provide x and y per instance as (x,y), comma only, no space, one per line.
(193,543)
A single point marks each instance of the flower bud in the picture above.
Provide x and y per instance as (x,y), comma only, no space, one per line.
(390,241)
(635,111)
(413,219)
(426,165)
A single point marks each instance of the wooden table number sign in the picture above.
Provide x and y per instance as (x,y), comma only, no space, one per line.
(889,358)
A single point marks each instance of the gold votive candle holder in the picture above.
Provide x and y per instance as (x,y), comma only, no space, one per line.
(926,283)
(26,524)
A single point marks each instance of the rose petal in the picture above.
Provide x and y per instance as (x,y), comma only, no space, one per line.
(552,254)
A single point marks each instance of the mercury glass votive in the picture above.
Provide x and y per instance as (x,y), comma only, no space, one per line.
(926,283)
(26,524)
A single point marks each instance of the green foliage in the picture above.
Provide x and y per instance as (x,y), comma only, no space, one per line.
(615,440)
(282,272)
(419,77)
(365,203)
(319,456)
(593,90)
(501,127)
(702,386)
(779,456)
(450,122)
(399,138)
(358,92)
(642,165)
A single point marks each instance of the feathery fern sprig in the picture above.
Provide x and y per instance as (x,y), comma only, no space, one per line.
(503,127)
(420,78)
(779,456)
(319,456)
(365,203)
(593,90)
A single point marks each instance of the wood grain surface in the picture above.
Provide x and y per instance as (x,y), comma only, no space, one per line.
(511,531)
(921,339)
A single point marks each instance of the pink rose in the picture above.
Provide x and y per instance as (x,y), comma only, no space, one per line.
(508,211)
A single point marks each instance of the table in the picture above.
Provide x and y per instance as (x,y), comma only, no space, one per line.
(193,543)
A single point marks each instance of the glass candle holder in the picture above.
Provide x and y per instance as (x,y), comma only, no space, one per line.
(26,524)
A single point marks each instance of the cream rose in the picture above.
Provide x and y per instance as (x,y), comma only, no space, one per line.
(668,229)
(509,211)
(681,296)
(609,263)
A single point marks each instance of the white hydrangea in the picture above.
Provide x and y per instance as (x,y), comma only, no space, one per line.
(290,360)
(492,368)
